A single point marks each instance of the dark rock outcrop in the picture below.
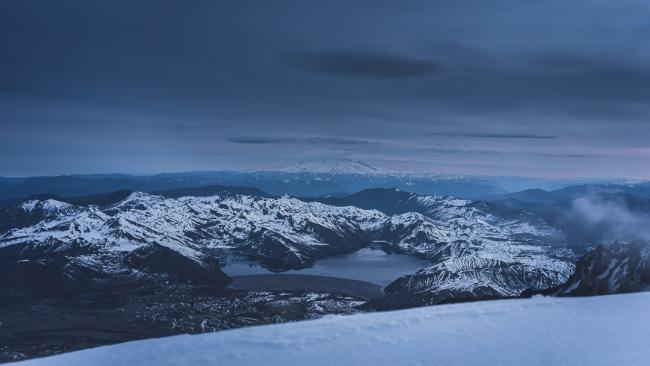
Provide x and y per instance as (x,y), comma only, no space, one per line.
(617,268)
(158,259)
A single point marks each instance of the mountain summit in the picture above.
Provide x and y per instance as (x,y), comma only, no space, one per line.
(334,166)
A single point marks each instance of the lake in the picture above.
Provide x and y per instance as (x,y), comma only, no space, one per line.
(371,265)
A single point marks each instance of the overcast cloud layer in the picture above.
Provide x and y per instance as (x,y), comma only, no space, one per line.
(550,89)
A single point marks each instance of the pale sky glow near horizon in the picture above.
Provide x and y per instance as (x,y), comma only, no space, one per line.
(552,89)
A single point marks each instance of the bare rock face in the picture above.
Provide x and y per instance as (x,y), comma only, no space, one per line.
(617,268)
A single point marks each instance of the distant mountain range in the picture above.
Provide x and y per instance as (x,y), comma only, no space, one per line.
(312,178)
(575,191)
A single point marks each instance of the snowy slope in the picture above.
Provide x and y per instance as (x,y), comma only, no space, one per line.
(605,330)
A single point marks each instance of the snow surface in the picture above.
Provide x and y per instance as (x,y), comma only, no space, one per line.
(604,330)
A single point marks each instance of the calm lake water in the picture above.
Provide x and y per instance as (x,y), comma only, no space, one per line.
(367,264)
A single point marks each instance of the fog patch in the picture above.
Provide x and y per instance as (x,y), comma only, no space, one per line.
(609,218)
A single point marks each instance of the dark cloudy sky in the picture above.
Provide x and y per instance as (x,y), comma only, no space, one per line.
(538,88)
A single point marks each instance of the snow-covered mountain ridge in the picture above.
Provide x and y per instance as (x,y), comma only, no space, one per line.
(473,252)
(538,331)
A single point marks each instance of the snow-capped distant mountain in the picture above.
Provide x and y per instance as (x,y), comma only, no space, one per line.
(473,252)
(310,178)
(341,166)
(595,331)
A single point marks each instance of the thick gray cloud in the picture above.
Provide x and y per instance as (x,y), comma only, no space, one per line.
(495,135)
(550,88)
(298,140)
(371,64)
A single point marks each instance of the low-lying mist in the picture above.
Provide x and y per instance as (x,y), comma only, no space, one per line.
(608,218)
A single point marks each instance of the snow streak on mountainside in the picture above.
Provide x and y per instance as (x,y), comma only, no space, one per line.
(616,268)
(595,331)
(341,166)
(474,253)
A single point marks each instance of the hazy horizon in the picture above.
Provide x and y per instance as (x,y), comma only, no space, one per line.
(298,163)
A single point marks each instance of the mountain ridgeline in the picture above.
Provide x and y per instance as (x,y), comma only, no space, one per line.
(499,242)
(136,254)
(308,178)
(150,236)
(609,269)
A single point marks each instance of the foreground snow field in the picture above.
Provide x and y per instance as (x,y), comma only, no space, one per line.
(603,330)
